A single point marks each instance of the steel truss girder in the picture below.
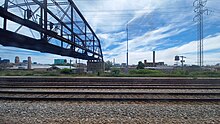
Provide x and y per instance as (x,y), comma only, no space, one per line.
(38,45)
(91,51)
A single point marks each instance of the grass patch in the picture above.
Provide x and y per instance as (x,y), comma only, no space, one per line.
(27,73)
(114,73)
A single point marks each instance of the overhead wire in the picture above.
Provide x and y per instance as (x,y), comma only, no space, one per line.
(133,10)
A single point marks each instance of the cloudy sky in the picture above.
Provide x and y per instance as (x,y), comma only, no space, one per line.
(164,26)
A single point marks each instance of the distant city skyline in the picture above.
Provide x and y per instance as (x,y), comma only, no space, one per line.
(47,60)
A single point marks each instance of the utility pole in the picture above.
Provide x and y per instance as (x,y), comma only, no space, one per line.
(177,58)
(200,10)
(70,63)
(182,61)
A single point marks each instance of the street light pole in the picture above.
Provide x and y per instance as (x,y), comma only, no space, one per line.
(127,48)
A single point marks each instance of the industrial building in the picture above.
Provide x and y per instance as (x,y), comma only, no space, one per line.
(5,61)
(123,64)
(25,61)
(95,66)
(154,63)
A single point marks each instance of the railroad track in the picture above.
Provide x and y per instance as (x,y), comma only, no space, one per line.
(106,96)
(110,91)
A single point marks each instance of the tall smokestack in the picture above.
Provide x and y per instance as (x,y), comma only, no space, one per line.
(29,63)
(154,59)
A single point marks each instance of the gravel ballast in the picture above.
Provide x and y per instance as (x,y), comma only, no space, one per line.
(43,112)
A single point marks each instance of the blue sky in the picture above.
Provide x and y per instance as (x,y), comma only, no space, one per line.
(161,25)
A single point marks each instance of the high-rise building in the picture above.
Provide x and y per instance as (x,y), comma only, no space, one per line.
(17,60)
(29,63)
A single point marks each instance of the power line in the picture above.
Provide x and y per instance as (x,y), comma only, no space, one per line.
(100,16)
(136,25)
(200,10)
(135,10)
(129,14)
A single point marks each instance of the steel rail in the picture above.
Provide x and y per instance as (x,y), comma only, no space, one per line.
(99,84)
(104,93)
(111,99)
(109,87)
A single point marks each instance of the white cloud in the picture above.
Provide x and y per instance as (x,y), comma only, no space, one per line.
(104,17)
(148,41)
(111,39)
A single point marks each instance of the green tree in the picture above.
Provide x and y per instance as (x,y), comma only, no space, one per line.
(66,71)
(115,71)
(108,65)
(140,65)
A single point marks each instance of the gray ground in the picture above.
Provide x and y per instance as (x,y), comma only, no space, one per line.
(25,112)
